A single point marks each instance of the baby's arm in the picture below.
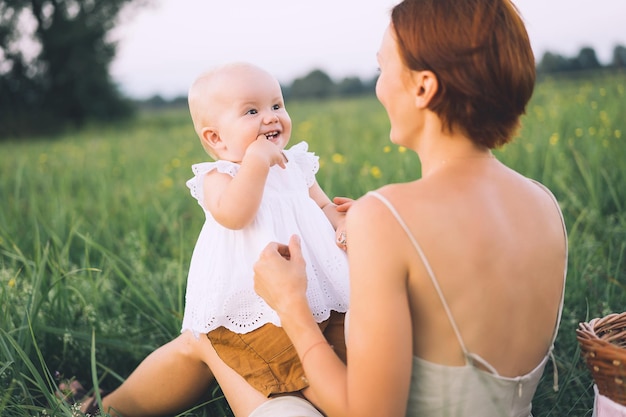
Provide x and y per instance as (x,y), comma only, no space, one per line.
(233,201)
(335,212)
(328,207)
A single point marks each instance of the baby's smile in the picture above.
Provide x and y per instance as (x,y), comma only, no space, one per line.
(272,135)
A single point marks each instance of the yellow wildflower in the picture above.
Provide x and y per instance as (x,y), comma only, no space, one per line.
(554,139)
(338,158)
(166,183)
(375,172)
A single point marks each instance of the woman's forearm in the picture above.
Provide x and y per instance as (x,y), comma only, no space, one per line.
(324,370)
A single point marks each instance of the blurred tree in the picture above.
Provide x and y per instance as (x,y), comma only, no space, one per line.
(587,59)
(350,86)
(66,81)
(370,85)
(317,84)
(619,57)
(551,62)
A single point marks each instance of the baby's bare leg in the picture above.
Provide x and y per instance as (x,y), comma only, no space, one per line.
(241,396)
(171,379)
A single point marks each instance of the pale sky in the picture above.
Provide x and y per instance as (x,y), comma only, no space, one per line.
(164,46)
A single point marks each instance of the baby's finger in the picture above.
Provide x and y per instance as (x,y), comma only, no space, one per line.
(284,159)
(343,203)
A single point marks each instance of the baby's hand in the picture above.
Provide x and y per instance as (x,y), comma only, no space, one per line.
(343,203)
(267,151)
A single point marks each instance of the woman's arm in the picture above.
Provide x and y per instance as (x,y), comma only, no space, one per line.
(233,201)
(376,380)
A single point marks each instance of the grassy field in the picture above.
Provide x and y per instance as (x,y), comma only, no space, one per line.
(97,228)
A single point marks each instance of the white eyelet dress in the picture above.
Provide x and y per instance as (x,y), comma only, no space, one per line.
(220,289)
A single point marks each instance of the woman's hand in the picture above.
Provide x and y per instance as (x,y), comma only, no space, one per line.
(280,275)
(343,204)
(341,238)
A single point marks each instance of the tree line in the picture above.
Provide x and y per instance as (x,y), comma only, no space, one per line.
(586,60)
(317,84)
(66,81)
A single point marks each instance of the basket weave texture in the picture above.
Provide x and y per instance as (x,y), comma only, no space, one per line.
(603,346)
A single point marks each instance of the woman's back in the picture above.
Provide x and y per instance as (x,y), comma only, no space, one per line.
(496,245)
(485,293)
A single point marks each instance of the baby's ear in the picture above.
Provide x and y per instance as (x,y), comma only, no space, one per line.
(210,138)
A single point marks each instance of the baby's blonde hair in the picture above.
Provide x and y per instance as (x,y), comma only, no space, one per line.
(199,98)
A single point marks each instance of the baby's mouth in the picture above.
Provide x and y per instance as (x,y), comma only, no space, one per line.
(272,135)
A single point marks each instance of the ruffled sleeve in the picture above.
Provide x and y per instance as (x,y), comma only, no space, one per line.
(200,170)
(307,161)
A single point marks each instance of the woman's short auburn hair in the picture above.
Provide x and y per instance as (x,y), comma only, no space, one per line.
(480,52)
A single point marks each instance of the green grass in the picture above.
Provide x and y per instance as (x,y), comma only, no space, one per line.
(97,228)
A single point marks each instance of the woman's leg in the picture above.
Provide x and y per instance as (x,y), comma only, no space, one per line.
(171,379)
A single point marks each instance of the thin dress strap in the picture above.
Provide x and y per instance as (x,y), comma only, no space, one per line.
(558,209)
(431,274)
(555,376)
(471,357)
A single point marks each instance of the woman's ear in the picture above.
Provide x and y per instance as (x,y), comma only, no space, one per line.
(210,138)
(426,86)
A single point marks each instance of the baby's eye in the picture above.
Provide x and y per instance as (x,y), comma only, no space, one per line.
(252,111)
(276,107)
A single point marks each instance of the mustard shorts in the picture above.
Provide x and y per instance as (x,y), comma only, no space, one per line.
(267,359)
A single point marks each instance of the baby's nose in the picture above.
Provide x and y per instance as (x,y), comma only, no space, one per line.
(270,118)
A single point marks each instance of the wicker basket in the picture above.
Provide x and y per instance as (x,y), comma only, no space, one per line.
(603,346)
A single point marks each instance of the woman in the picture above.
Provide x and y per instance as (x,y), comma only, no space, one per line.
(457,278)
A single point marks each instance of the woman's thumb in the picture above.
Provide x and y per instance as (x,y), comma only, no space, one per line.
(295,249)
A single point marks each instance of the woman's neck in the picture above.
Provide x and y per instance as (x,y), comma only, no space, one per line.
(446,150)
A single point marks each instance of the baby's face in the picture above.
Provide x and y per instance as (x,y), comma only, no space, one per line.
(251,104)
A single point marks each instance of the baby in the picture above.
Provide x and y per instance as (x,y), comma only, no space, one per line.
(256,192)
